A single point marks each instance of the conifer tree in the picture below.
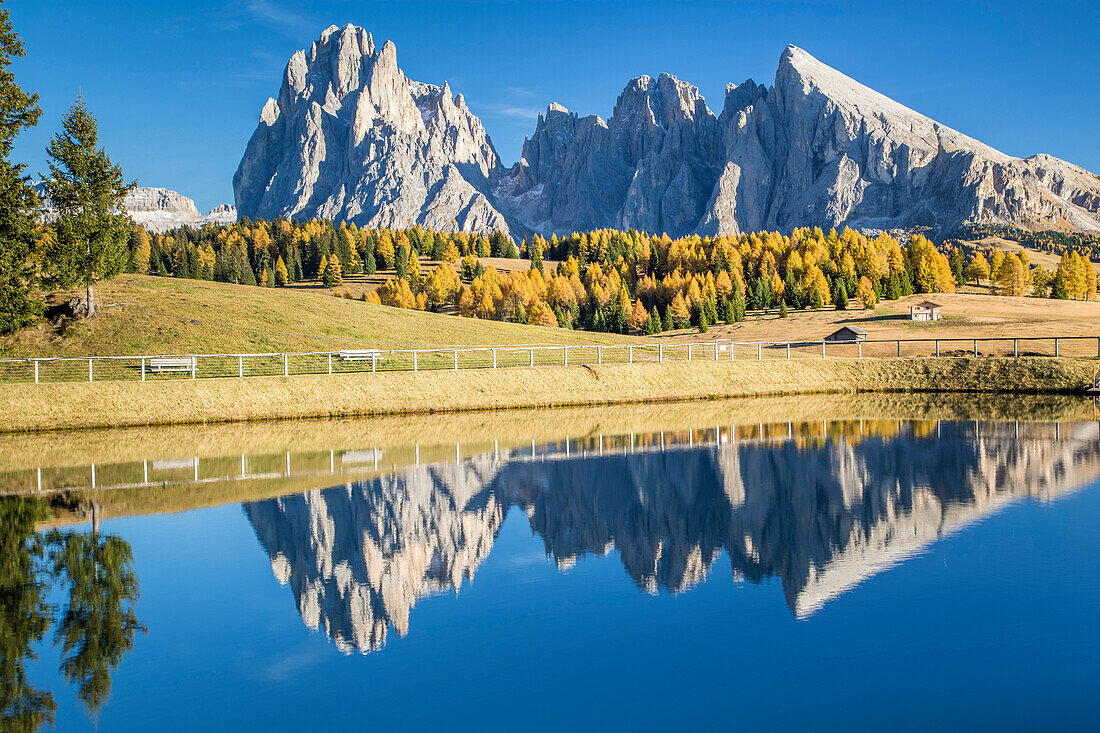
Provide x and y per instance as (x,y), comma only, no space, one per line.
(401,261)
(332,275)
(783,309)
(678,312)
(840,295)
(87,190)
(281,275)
(140,250)
(639,317)
(19,304)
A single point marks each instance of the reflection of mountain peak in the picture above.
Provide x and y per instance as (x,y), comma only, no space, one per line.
(821,516)
(358,557)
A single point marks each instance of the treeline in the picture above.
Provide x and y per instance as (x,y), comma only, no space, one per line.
(275,253)
(605,280)
(1054,242)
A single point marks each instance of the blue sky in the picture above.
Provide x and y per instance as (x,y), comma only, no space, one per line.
(178,86)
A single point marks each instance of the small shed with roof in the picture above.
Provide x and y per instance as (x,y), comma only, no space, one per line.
(925,311)
(847,334)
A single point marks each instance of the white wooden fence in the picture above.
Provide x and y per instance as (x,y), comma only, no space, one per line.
(196,366)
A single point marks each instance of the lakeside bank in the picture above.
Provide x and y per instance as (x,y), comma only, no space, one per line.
(60,406)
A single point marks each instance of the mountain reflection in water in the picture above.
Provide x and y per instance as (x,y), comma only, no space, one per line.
(819,514)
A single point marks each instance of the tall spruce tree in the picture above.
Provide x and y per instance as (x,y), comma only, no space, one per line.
(19,305)
(87,189)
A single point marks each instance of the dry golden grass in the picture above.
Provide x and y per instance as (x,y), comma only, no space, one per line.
(115,404)
(168,316)
(964,316)
(477,432)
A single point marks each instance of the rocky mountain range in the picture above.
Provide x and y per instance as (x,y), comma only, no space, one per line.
(158,209)
(820,517)
(351,138)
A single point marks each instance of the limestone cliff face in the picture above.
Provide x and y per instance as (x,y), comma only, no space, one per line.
(157,209)
(815,149)
(351,138)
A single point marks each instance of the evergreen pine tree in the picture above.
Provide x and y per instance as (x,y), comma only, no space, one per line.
(401,262)
(840,295)
(738,302)
(1058,288)
(19,304)
(815,298)
(87,190)
(783,309)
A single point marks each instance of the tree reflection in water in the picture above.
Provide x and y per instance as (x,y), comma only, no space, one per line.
(94,626)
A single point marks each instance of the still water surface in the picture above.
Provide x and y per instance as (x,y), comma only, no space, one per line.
(811,575)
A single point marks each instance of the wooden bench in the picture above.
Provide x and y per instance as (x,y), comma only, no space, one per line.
(360,354)
(162,364)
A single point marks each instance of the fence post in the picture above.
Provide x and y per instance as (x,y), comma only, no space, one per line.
(89,370)
(494,358)
(194,365)
(415,367)
(975,347)
(240,366)
(599,355)
(373,362)
(661,353)
(566,356)
(822,349)
(330,362)
(689,352)
(759,351)
(36,370)
(1015,347)
(630,354)
(788,351)
(456,360)
(286,366)
(716,351)
(1056,347)
(937,347)
(899,347)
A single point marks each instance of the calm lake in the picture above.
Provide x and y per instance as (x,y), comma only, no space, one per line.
(894,563)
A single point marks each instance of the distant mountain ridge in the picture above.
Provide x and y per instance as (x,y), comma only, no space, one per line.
(351,138)
(158,209)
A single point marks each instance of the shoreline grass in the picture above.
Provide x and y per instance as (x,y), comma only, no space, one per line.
(61,406)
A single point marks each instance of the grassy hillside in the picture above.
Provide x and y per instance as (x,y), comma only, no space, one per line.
(964,316)
(116,404)
(148,315)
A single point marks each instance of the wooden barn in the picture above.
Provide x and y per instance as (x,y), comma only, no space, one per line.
(925,311)
(847,334)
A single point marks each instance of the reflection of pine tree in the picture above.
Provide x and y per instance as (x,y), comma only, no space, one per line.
(98,624)
(24,616)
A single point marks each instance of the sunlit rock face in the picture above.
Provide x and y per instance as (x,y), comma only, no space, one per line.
(819,515)
(351,138)
(815,149)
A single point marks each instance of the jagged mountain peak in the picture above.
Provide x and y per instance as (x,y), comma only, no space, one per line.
(350,137)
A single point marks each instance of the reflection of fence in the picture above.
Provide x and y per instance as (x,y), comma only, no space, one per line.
(152,368)
(360,463)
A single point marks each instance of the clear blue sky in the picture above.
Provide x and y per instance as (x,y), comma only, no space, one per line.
(178,86)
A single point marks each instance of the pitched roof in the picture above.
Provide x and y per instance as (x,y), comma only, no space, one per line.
(926,304)
(853,329)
